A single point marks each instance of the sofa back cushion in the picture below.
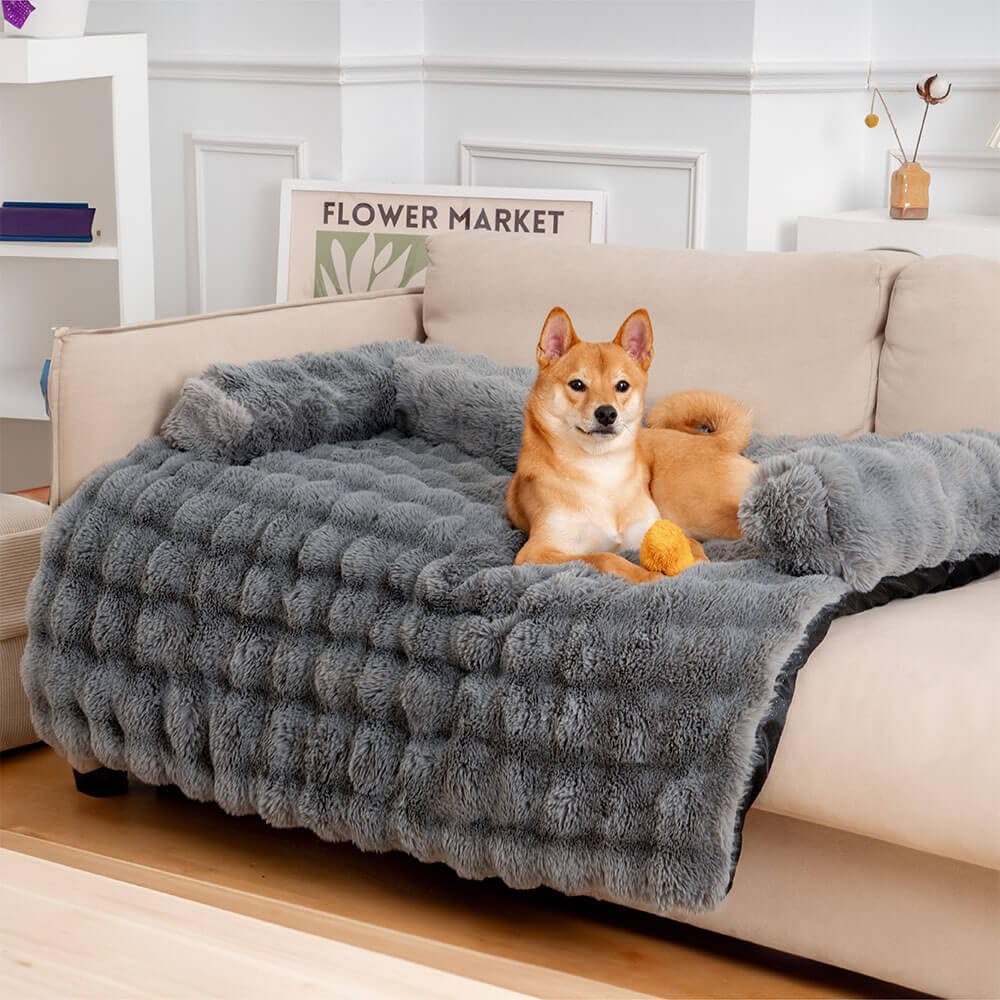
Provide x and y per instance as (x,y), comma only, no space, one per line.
(940,366)
(796,336)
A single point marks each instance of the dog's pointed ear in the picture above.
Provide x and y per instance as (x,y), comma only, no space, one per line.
(636,337)
(557,337)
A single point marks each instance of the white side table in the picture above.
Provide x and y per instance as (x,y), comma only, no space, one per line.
(870,229)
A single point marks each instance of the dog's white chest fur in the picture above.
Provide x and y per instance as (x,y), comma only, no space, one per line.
(611,509)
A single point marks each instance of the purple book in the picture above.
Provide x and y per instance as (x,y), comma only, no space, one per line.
(41,221)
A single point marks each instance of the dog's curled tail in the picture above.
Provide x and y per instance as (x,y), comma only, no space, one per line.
(700,411)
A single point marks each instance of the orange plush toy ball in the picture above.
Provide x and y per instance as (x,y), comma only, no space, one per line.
(666,549)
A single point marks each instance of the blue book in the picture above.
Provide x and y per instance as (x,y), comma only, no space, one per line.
(47,221)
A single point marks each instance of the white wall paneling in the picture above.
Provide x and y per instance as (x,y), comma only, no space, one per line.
(242,68)
(244,109)
(676,76)
(700,76)
(234,67)
(242,213)
(966,75)
(371,69)
(674,186)
(382,129)
(771,93)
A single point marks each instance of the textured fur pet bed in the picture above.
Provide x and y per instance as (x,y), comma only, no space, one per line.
(300,602)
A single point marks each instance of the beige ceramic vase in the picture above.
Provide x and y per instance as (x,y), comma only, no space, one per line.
(910,192)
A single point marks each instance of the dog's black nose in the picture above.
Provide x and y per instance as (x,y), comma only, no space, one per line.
(605,415)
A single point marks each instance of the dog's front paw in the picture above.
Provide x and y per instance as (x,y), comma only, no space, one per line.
(647,575)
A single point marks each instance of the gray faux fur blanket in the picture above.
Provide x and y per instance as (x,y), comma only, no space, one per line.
(299,601)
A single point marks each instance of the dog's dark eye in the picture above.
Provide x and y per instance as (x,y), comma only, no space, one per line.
(621,386)
(576,385)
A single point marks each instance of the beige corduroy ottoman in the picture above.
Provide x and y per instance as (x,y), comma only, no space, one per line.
(22,522)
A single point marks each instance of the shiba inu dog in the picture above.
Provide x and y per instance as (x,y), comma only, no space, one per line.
(591,479)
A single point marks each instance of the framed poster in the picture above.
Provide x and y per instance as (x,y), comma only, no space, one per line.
(338,238)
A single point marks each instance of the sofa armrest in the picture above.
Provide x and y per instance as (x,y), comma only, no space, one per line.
(111,389)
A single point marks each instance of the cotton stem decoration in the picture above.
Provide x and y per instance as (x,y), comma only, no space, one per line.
(910,188)
(872,119)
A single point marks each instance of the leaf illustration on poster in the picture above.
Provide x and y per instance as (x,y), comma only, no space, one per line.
(355,262)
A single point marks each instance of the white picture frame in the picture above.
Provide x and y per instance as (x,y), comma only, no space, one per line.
(310,262)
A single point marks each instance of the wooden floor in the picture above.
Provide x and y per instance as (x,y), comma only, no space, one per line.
(39,493)
(66,933)
(538,942)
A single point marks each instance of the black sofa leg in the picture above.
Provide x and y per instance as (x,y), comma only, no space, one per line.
(101,783)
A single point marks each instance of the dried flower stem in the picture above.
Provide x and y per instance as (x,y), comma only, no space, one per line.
(878,93)
(920,135)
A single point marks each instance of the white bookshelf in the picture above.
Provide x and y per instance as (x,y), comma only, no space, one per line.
(59,251)
(75,116)
(21,394)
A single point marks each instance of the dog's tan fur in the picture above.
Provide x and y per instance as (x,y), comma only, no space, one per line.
(585,491)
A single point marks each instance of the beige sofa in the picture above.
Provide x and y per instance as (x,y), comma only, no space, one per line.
(875,844)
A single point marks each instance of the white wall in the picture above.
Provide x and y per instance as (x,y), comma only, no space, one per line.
(806,147)
(709,122)
(382,104)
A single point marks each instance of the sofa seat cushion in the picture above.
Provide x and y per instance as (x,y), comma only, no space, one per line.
(795,336)
(16,729)
(21,524)
(940,367)
(892,730)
